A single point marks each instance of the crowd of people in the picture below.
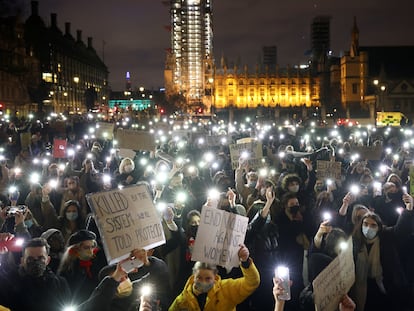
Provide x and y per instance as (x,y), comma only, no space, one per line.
(52,253)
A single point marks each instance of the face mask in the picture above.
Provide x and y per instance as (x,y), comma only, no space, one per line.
(294,188)
(318,188)
(294,209)
(28,223)
(369,233)
(124,288)
(263,192)
(35,268)
(128,168)
(203,287)
(193,230)
(252,184)
(71,216)
(394,196)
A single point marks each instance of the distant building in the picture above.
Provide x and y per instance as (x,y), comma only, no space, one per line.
(18,70)
(270,57)
(190,60)
(377,78)
(283,87)
(73,77)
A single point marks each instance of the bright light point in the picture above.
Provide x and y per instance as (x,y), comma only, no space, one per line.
(161,206)
(343,245)
(146,290)
(181,197)
(69,308)
(282,272)
(209,156)
(327,216)
(213,194)
(34,178)
(399,210)
(354,189)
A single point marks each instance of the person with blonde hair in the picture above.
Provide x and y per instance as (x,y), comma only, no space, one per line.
(205,290)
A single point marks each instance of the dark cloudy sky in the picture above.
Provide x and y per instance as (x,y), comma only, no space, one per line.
(136,38)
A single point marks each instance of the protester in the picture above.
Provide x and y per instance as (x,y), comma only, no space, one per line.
(33,286)
(205,290)
(81,263)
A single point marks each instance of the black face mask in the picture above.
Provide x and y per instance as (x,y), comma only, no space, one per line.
(35,268)
(394,196)
(294,209)
(192,230)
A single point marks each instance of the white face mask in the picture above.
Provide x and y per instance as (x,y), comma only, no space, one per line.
(369,233)
(128,168)
(293,188)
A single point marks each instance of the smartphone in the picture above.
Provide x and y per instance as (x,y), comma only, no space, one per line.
(13,245)
(14,209)
(282,273)
(131,264)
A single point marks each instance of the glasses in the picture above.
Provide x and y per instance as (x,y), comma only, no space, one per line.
(71,183)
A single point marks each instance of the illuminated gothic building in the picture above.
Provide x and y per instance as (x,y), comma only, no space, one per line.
(377,78)
(283,87)
(189,65)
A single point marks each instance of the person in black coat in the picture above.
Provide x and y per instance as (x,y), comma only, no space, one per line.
(120,291)
(262,240)
(81,263)
(380,283)
(33,286)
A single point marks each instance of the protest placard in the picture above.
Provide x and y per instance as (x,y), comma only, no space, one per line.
(368,152)
(335,280)
(251,150)
(25,139)
(218,237)
(104,130)
(127,220)
(328,169)
(135,140)
(59,148)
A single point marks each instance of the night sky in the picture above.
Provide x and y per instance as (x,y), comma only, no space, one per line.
(136,38)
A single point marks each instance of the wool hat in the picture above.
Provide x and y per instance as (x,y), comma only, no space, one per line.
(48,233)
(80,236)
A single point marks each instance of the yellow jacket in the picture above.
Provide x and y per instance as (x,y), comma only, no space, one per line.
(224,296)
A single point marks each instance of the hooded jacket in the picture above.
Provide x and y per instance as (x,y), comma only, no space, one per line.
(225,294)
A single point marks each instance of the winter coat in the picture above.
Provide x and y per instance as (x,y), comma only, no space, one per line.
(224,296)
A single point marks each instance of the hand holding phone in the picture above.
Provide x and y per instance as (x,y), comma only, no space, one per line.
(131,264)
(282,274)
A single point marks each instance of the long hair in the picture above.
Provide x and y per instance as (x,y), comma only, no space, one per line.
(359,236)
(69,258)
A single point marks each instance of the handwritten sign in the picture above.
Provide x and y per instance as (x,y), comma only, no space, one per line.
(135,140)
(328,169)
(218,237)
(253,150)
(59,148)
(126,220)
(334,281)
(104,130)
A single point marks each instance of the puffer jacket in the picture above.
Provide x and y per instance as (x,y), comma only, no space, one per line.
(224,296)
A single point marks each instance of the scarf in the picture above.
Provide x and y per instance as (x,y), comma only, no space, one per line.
(367,265)
(86,264)
(374,263)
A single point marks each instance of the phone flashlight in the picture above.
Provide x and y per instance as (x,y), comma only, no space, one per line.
(282,273)
(326,216)
(354,189)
